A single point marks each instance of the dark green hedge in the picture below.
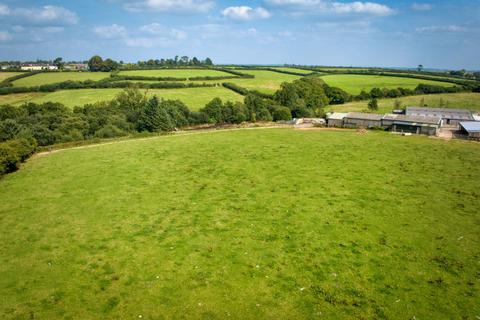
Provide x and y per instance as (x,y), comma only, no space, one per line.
(13,153)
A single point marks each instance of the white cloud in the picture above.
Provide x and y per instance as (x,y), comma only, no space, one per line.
(5,36)
(113,31)
(159,30)
(362,7)
(4,10)
(47,15)
(327,6)
(245,13)
(169,5)
(422,6)
(441,29)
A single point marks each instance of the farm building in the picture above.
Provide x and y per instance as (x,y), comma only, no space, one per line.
(362,120)
(34,67)
(412,124)
(76,66)
(472,129)
(449,116)
(335,119)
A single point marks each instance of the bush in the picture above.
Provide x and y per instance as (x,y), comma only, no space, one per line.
(14,152)
(282,114)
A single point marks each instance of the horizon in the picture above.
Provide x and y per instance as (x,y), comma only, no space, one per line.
(269,32)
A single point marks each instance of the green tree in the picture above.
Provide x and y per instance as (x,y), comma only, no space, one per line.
(282,114)
(154,117)
(208,62)
(95,63)
(373,104)
(58,62)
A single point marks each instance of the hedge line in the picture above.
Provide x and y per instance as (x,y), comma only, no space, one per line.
(13,153)
(8,82)
(244,92)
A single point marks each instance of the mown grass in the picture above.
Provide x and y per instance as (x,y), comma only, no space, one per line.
(55,77)
(354,84)
(264,81)
(245,225)
(176,73)
(194,98)
(6,75)
(465,100)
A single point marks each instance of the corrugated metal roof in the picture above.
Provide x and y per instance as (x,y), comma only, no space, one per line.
(459,114)
(337,116)
(364,116)
(472,126)
(413,119)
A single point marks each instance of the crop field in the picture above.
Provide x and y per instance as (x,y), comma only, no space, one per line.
(55,77)
(176,73)
(6,75)
(465,100)
(194,98)
(264,81)
(354,84)
(246,224)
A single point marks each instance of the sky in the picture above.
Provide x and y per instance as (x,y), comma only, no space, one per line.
(403,33)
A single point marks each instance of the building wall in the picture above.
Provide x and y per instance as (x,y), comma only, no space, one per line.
(334,123)
(357,123)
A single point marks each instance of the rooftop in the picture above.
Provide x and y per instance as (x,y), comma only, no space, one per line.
(443,112)
(337,116)
(413,119)
(364,116)
(473,126)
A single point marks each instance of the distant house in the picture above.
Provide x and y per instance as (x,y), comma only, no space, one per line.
(77,66)
(362,120)
(38,67)
(450,117)
(412,124)
(472,129)
(335,119)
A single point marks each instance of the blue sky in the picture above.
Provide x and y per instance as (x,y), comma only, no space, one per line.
(404,33)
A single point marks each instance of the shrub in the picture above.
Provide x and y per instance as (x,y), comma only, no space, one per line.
(14,152)
(282,114)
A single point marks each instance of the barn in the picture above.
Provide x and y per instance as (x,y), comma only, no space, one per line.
(450,117)
(412,124)
(362,120)
(335,119)
(472,129)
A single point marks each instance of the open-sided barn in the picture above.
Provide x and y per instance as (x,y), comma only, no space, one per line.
(412,124)
(472,129)
(449,116)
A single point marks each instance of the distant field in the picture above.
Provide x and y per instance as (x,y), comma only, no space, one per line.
(354,84)
(467,100)
(55,77)
(17,98)
(194,98)
(6,75)
(265,81)
(246,224)
(176,73)
(293,70)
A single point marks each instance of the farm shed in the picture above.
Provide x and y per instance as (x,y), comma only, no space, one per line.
(335,119)
(472,129)
(449,116)
(412,124)
(362,120)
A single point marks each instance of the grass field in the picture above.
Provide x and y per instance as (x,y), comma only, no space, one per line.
(273,224)
(55,77)
(293,70)
(6,75)
(194,98)
(17,98)
(354,84)
(468,100)
(176,73)
(264,81)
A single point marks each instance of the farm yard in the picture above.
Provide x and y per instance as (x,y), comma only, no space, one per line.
(354,84)
(228,224)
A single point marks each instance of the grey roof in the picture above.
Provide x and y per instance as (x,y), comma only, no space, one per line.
(336,116)
(460,114)
(364,116)
(473,126)
(412,119)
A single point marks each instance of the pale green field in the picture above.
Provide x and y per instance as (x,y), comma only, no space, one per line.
(354,84)
(466,100)
(176,73)
(17,98)
(265,81)
(55,77)
(6,75)
(194,98)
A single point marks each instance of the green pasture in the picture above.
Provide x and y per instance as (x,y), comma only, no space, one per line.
(6,75)
(55,77)
(464,100)
(194,98)
(246,224)
(289,69)
(176,73)
(264,81)
(354,84)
